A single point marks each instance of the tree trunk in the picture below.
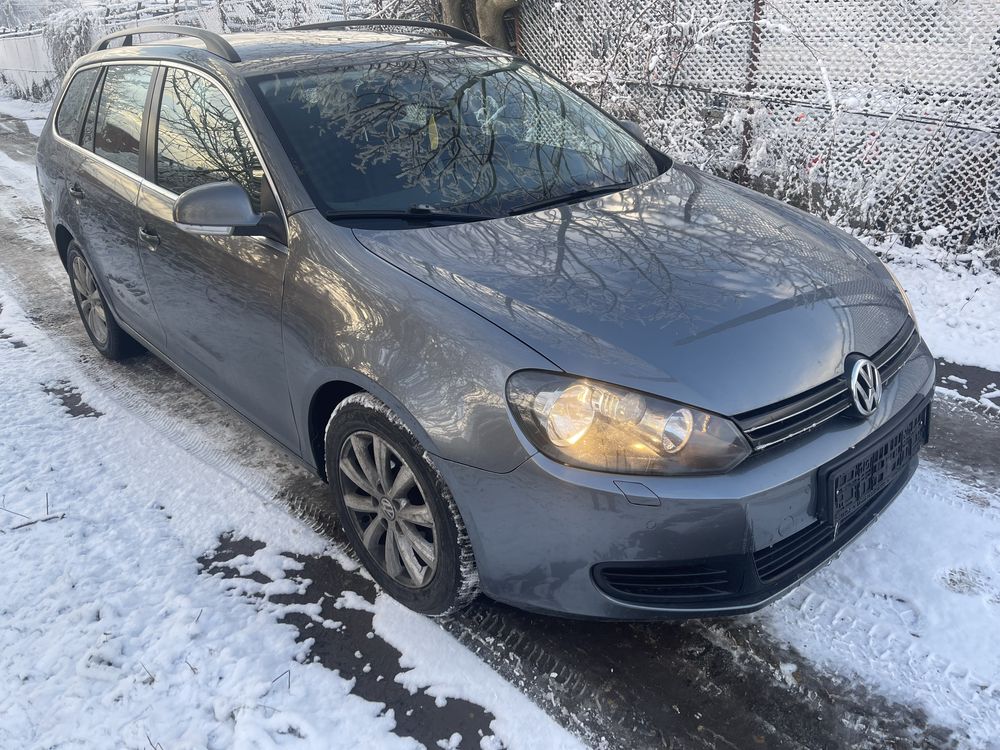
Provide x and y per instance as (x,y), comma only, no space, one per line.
(451,13)
(489,15)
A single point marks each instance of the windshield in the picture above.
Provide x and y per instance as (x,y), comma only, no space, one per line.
(468,136)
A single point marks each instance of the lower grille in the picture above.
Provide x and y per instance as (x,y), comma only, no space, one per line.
(783,557)
(661,583)
(865,476)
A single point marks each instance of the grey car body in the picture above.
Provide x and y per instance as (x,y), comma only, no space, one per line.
(685,287)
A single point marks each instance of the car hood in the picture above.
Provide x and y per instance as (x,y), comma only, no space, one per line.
(686,286)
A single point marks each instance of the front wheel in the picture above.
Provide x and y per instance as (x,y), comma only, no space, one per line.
(396,509)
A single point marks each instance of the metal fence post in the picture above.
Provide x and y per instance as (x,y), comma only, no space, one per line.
(741,172)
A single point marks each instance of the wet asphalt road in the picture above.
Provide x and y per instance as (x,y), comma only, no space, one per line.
(694,684)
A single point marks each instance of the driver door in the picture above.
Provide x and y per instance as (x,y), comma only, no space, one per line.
(218,298)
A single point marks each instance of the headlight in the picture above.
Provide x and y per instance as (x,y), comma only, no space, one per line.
(598,426)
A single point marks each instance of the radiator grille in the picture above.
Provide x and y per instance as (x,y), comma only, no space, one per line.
(797,415)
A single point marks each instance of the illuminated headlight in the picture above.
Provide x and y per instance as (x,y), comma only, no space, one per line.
(593,425)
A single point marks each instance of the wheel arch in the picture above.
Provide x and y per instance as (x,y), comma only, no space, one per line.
(63,237)
(330,392)
(321,406)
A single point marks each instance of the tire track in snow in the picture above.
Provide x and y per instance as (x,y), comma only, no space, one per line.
(857,630)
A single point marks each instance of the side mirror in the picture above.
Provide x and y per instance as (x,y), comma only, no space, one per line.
(218,208)
(634,129)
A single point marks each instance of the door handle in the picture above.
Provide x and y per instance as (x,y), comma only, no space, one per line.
(149,236)
(76,191)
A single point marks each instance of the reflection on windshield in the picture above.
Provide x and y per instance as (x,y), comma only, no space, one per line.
(480,135)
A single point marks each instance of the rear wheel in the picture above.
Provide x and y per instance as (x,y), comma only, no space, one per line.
(396,510)
(105,333)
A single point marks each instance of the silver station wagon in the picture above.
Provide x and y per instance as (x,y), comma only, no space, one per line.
(532,355)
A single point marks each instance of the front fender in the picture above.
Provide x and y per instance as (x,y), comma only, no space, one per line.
(350,316)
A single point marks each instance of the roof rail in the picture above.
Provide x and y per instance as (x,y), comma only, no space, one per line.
(213,42)
(452,31)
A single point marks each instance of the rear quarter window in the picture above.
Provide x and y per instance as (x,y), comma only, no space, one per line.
(73,103)
(119,115)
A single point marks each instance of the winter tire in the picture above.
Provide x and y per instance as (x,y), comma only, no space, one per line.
(396,509)
(105,333)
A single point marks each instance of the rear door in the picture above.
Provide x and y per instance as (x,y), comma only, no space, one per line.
(105,187)
(59,152)
(218,298)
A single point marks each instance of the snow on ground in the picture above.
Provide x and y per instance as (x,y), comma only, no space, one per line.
(109,634)
(957,310)
(32,113)
(989,401)
(21,176)
(916,620)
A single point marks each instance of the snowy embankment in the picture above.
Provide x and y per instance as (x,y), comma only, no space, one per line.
(957,308)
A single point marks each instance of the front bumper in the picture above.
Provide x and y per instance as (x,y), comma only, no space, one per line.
(553,538)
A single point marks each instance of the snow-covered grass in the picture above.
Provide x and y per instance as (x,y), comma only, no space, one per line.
(110,636)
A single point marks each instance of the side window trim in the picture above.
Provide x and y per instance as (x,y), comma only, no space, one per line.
(147,154)
(92,103)
(98,92)
(154,122)
(150,124)
(101,128)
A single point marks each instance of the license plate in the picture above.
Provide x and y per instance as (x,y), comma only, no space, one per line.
(858,481)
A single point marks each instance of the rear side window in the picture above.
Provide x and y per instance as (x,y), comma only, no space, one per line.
(73,103)
(119,115)
(200,139)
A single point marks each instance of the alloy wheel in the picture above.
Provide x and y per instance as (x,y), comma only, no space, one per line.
(89,298)
(388,509)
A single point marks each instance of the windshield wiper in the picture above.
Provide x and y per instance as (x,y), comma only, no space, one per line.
(573,197)
(413,213)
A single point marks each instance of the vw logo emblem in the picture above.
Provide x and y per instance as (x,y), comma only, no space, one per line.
(388,509)
(865,385)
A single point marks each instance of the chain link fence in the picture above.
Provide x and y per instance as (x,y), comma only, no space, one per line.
(883,117)
(879,116)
